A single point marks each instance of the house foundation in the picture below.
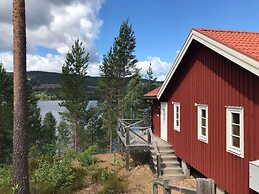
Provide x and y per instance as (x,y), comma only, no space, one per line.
(186,169)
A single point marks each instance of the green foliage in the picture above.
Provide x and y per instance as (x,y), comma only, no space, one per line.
(47,142)
(74,91)
(99,175)
(58,174)
(113,185)
(134,101)
(87,157)
(93,133)
(43,96)
(117,65)
(6,175)
(34,119)
(63,139)
(151,81)
(6,116)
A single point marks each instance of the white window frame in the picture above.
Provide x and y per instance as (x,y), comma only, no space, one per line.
(238,151)
(177,127)
(201,137)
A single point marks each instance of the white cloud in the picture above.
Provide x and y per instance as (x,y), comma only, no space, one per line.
(51,63)
(55,24)
(160,68)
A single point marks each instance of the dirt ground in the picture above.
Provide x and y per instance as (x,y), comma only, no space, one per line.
(138,180)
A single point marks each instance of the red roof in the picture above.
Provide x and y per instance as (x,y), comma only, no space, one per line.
(153,93)
(246,43)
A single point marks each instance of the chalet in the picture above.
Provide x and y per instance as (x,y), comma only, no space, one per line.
(208,108)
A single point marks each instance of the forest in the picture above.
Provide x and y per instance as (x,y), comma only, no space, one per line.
(52,148)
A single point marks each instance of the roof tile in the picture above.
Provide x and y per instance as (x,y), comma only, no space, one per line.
(153,93)
(246,43)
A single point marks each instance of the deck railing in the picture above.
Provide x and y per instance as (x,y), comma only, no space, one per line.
(134,126)
(203,186)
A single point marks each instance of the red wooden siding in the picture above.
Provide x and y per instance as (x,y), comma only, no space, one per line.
(205,77)
(156,118)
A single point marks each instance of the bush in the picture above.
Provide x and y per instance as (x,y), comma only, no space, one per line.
(87,157)
(100,175)
(113,185)
(56,175)
(6,179)
(6,175)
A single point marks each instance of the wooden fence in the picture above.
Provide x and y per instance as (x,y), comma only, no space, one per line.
(204,186)
(129,128)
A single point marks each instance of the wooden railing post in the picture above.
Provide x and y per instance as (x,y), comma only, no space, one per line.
(158,167)
(166,190)
(205,186)
(155,188)
(127,136)
(149,137)
(127,159)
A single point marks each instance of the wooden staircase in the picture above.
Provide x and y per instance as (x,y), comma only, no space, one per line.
(170,167)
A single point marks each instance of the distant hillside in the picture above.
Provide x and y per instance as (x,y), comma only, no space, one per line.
(50,83)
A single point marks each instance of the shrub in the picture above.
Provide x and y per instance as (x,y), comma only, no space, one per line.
(87,157)
(113,185)
(99,175)
(6,175)
(6,179)
(56,175)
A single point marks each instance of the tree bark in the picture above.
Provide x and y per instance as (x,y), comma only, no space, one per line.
(20,133)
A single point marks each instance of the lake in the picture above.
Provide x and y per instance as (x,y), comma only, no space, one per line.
(53,107)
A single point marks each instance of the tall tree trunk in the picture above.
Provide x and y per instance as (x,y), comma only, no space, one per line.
(74,133)
(20,133)
(110,134)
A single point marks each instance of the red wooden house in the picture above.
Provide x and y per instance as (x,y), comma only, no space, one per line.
(208,107)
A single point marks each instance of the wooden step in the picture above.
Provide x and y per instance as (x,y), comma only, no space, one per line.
(168,163)
(173,176)
(162,152)
(171,170)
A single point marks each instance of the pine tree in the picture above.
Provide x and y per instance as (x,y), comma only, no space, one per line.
(108,96)
(134,101)
(20,131)
(124,61)
(64,136)
(150,85)
(74,91)
(6,116)
(48,139)
(117,65)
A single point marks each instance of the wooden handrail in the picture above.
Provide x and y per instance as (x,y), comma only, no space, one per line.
(158,155)
(125,130)
(203,186)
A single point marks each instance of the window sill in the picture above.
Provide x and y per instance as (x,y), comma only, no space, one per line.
(235,151)
(203,139)
(175,129)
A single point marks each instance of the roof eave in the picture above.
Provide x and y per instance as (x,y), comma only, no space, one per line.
(231,54)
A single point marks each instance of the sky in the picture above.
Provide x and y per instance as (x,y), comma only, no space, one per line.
(160,26)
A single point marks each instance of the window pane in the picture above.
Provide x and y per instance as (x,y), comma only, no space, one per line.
(236,130)
(203,113)
(177,116)
(177,109)
(203,131)
(235,118)
(203,122)
(236,141)
(177,123)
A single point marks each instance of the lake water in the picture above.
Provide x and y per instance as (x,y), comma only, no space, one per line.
(53,107)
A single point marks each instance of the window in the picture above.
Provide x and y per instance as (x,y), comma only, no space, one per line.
(235,130)
(177,116)
(203,122)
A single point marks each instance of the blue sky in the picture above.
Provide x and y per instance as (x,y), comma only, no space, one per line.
(161,27)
